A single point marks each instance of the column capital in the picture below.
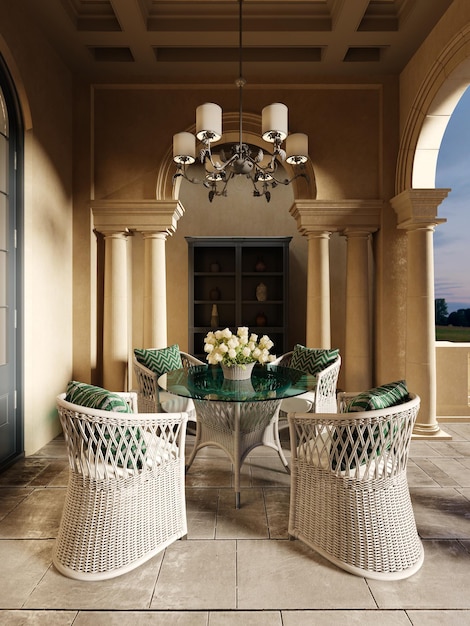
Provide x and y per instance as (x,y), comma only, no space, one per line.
(360,232)
(109,233)
(417,208)
(139,215)
(335,215)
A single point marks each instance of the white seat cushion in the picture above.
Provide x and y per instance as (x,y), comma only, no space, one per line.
(298,404)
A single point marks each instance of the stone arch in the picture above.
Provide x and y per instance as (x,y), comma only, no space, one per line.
(302,188)
(433,106)
(19,84)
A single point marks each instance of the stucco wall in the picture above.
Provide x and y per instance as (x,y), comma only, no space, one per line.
(45,90)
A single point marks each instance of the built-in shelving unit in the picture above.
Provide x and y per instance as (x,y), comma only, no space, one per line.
(246,279)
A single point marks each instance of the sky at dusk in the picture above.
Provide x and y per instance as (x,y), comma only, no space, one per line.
(452,239)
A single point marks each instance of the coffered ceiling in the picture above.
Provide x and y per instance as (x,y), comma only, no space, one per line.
(198,41)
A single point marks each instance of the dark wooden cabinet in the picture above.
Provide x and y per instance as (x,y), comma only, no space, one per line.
(242,279)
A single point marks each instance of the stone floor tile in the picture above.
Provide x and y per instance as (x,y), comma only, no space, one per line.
(419,448)
(441,583)
(441,513)
(268,470)
(418,477)
(345,618)
(201,512)
(144,618)
(210,472)
(245,618)
(197,575)
(129,591)
(38,618)
(36,517)
(55,449)
(452,449)
(439,476)
(23,472)
(50,473)
(439,618)
(455,469)
(289,575)
(10,497)
(24,563)
(247,522)
(277,510)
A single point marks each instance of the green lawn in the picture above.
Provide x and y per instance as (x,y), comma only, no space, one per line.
(452,333)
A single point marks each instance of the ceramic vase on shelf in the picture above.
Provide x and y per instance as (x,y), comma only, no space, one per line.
(261,319)
(237,372)
(261,292)
(214,293)
(214,316)
(260,265)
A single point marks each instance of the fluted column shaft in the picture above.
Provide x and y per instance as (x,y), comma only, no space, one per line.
(115,313)
(417,214)
(318,331)
(155,315)
(358,373)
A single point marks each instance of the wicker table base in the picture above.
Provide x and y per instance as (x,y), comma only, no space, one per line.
(235,427)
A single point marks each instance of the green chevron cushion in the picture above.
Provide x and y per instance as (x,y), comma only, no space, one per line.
(378,398)
(160,361)
(94,397)
(381,397)
(312,360)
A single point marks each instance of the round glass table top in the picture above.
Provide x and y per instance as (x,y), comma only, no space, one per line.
(207,382)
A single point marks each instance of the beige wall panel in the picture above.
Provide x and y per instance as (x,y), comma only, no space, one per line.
(46,96)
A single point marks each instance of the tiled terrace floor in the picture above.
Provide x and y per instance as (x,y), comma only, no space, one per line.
(238,566)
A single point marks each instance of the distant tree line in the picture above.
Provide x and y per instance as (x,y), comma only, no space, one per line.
(461,317)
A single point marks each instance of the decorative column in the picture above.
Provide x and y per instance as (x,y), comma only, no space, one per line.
(318,331)
(115,323)
(317,219)
(357,353)
(417,215)
(155,318)
(155,219)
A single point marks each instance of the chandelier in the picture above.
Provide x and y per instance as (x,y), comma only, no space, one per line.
(240,159)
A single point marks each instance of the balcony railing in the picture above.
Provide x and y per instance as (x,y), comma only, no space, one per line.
(453,379)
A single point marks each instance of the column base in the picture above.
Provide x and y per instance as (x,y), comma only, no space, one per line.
(429,431)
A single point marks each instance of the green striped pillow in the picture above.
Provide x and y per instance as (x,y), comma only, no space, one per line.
(94,397)
(378,398)
(312,360)
(160,361)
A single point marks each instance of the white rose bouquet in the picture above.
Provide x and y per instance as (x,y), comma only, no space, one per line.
(226,348)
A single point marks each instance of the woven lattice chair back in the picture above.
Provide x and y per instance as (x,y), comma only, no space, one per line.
(349,492)
(321,400)
(125,498)
(151,399)
(325,391)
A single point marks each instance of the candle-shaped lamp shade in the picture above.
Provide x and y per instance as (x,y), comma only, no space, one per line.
(274,121)
(297,148)
(184,148)
(209,121)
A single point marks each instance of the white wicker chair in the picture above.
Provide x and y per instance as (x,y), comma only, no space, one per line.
(152,399)
(349,493)
(321,400)
(125,498)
